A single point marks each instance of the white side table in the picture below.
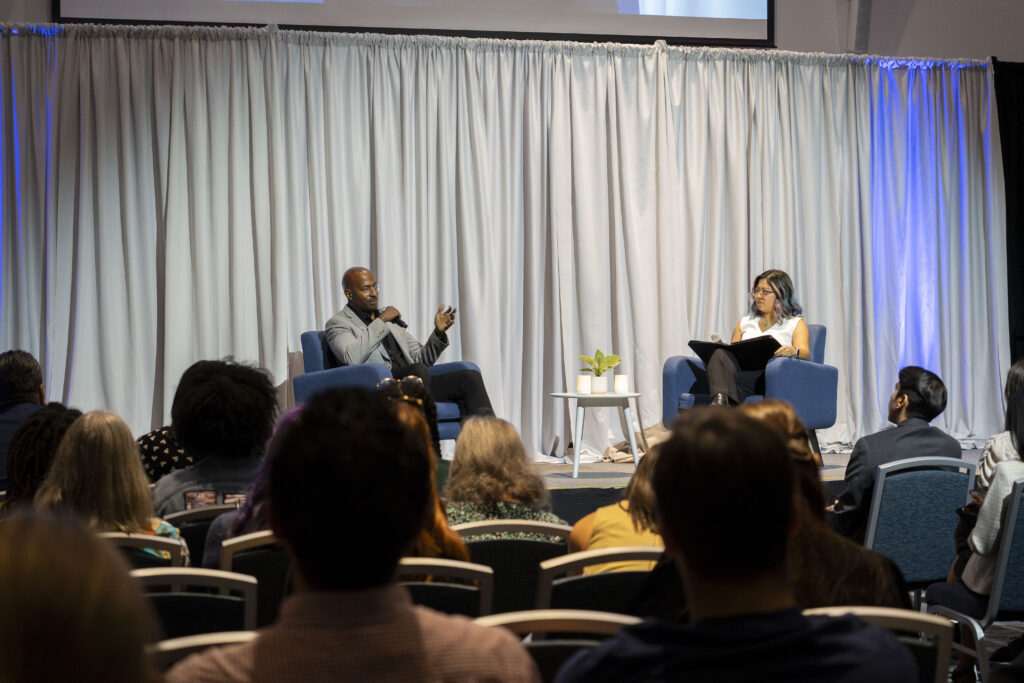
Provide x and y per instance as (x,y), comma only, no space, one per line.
(584,401)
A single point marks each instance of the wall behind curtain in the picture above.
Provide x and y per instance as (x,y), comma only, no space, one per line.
(176,194)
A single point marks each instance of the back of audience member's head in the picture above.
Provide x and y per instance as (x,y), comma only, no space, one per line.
(436,539)
(639,493)
(347,457)
(412,389)
(252,516)
(925,392)
(1015,420)
(69,611)
(33,448)
(1014,380)
(781,416)
(725,495)
(491,465)
(223,408)
(20,374)
(97,475)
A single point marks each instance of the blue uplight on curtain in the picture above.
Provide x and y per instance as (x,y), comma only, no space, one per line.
(188,193)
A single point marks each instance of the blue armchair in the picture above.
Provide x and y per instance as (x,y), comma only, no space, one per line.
(323,371)
(809,386)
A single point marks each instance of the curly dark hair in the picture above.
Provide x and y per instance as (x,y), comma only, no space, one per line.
(33,448)
(224,408)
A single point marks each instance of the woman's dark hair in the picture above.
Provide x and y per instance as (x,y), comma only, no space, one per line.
(1015,419)
(1014,381)
(223,408)
(639,493)
(785,302)
(33,448)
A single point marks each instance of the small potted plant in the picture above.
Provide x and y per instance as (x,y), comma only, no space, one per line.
(597,366)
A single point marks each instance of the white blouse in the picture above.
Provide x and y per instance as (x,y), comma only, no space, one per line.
(781,330)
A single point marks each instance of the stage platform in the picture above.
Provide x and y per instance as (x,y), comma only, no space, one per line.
(601,483)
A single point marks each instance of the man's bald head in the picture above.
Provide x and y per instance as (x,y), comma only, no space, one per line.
(361,289)
(348,279)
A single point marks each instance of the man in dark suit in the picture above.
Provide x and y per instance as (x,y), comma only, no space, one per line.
(919,397)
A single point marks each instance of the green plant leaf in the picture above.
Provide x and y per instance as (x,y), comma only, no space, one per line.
(590,370)
(599,357)
(611,360)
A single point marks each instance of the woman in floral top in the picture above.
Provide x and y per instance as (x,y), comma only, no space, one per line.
(492,478)
(98,476)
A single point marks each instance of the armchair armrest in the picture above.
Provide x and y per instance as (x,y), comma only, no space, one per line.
(811,388)
(366,376)
(680,375)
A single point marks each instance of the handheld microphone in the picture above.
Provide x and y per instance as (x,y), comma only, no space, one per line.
(397,321)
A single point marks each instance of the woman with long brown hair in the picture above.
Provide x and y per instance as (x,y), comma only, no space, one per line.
(97,475)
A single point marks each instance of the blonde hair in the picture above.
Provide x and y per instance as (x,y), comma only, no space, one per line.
(69,610)
(97,475)
(491,465)
(639,493)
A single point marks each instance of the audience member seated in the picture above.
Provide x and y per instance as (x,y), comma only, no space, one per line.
(493,478)
(629,522)
(32,450)
(161,453)
(825,569)
(1001,447)
(21,394)
(435,538)
(724,493)
(969,592)
(346,457)
(69,611)
(97,476)
(919,397)
(222,415)
(252,515)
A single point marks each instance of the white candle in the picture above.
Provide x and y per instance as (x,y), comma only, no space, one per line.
(621,384)
(582,384)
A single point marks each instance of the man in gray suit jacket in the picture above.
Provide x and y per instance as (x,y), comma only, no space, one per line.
(361,333)
(919,397)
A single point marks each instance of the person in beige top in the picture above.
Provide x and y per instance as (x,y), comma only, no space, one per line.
(347,497)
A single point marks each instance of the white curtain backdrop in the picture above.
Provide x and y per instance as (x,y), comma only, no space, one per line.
(173,194)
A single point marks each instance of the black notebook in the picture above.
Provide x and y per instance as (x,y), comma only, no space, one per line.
(751,354)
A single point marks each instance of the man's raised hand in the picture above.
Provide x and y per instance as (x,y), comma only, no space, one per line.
(444,319)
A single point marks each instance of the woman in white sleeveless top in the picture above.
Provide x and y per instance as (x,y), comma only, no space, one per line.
(773,311)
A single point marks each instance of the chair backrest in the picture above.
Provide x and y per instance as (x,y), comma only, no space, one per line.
(564,620)
(316,354)
(913,514)
(184,610)
(1007,597)
(167,653)
(515,562)
(928,636)
(141,542)
(816,336)
(606,592)
(260,555)
(195,524)
(473,598)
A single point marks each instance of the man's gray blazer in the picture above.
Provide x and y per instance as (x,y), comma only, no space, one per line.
(354,342)
(912,438)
